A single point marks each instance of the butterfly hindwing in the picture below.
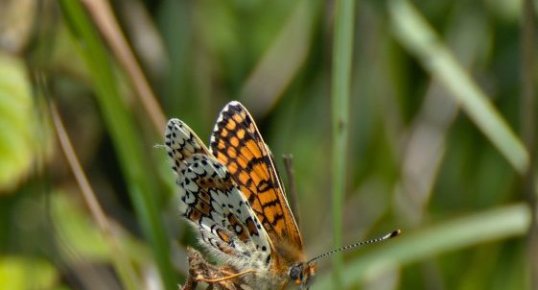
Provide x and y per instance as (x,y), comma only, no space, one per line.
(181,142)
(211,200)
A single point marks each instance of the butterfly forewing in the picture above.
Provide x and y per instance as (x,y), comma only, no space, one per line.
(237,143)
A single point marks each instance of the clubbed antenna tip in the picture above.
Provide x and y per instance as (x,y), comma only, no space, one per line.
(393,234)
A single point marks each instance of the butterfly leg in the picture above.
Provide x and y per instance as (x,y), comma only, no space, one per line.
(218,278)
(229,276)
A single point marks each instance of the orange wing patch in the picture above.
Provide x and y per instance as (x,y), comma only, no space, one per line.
(237,143)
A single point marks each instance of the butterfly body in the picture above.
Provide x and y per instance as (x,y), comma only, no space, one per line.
(232,194)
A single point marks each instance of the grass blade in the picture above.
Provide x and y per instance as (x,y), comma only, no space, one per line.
(420,39)
(120,124)
(501,223)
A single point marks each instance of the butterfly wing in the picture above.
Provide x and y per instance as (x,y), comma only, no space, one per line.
(212,202)
(237,143)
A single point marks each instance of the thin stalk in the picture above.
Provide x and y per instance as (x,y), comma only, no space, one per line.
(291,192)
(340,85)
(120,260)
(104,19)
(528,120)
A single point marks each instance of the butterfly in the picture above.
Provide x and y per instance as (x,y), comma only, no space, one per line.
(232,194)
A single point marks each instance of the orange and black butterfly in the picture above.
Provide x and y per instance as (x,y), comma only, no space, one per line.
(232,194)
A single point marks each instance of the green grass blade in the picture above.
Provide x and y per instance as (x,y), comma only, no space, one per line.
(420,39)
(496,224)
(120,123)
(341,83)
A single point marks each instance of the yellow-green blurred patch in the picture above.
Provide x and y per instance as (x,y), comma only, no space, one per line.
(82,239)
(16,123)
(17,273)
(76,230)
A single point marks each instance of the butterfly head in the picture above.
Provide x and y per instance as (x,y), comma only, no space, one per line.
(302,273)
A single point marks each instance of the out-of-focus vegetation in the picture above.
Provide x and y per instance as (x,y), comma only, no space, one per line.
(438,141)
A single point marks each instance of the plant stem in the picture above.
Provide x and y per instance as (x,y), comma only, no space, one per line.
(528,131)
(341,79)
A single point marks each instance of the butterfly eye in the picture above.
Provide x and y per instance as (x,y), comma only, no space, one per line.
(296,273)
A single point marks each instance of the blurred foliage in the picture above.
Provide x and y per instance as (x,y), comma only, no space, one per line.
(18,122)
(435,112)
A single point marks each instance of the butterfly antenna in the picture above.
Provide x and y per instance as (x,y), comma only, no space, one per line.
(358,244)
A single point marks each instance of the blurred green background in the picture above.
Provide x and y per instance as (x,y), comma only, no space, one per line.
(435,128)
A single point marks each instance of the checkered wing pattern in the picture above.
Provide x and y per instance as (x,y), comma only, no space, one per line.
(237,143)
(212,202)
